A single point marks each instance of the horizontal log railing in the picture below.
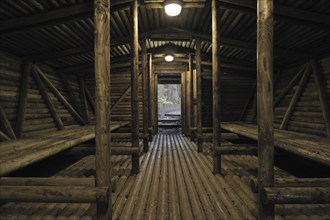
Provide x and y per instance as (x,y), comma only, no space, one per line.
(294,182)
(296,195)
(60,194)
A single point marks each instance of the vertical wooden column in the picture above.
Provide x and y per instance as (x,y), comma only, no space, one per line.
(151,97)
(199,96)
(216,87)
(102,102)
(183,103)
(188,98)
(265,103)
(155,81)
(192,98)
(83,100)
(135,84)
(145,95)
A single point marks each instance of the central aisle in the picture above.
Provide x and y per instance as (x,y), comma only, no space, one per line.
(175,182)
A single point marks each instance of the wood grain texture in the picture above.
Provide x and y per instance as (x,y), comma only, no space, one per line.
(265,102)
(135,82)
(102,102)
(145,97)
(199,94)
(51,194)
(216,86)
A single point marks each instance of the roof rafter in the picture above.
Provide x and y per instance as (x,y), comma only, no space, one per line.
(81,11)
(162,33)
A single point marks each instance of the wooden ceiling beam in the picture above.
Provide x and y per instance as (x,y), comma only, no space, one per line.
(85,10)
(247,46)
(282,13)
(55,17)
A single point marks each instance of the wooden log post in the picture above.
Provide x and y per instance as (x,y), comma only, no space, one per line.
(135,83)
(183,103)
(265,103)
(322,95)
(187,124)
(145,95)
(19,126)
(102,103)
(189,92)
(199,96)
(155,101)
(83,100)
(150,100)
(216,89)
(192,99)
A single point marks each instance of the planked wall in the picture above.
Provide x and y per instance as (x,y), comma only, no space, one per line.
(307,114)
(38,118)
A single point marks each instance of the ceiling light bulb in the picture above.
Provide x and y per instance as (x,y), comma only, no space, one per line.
(169,58)
(173,8)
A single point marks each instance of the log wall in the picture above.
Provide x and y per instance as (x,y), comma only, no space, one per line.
(37,115)
(235,93)
(307,116)
(120,83)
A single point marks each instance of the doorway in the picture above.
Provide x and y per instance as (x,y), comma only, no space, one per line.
(169,108)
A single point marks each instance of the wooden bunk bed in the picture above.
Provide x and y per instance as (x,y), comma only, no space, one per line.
(22,152)
(308,146)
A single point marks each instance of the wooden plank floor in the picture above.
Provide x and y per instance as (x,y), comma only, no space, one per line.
(175,182)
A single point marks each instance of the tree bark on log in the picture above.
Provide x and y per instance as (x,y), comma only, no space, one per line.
(54,194)
(265,102)
(135,83)
(102,103)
